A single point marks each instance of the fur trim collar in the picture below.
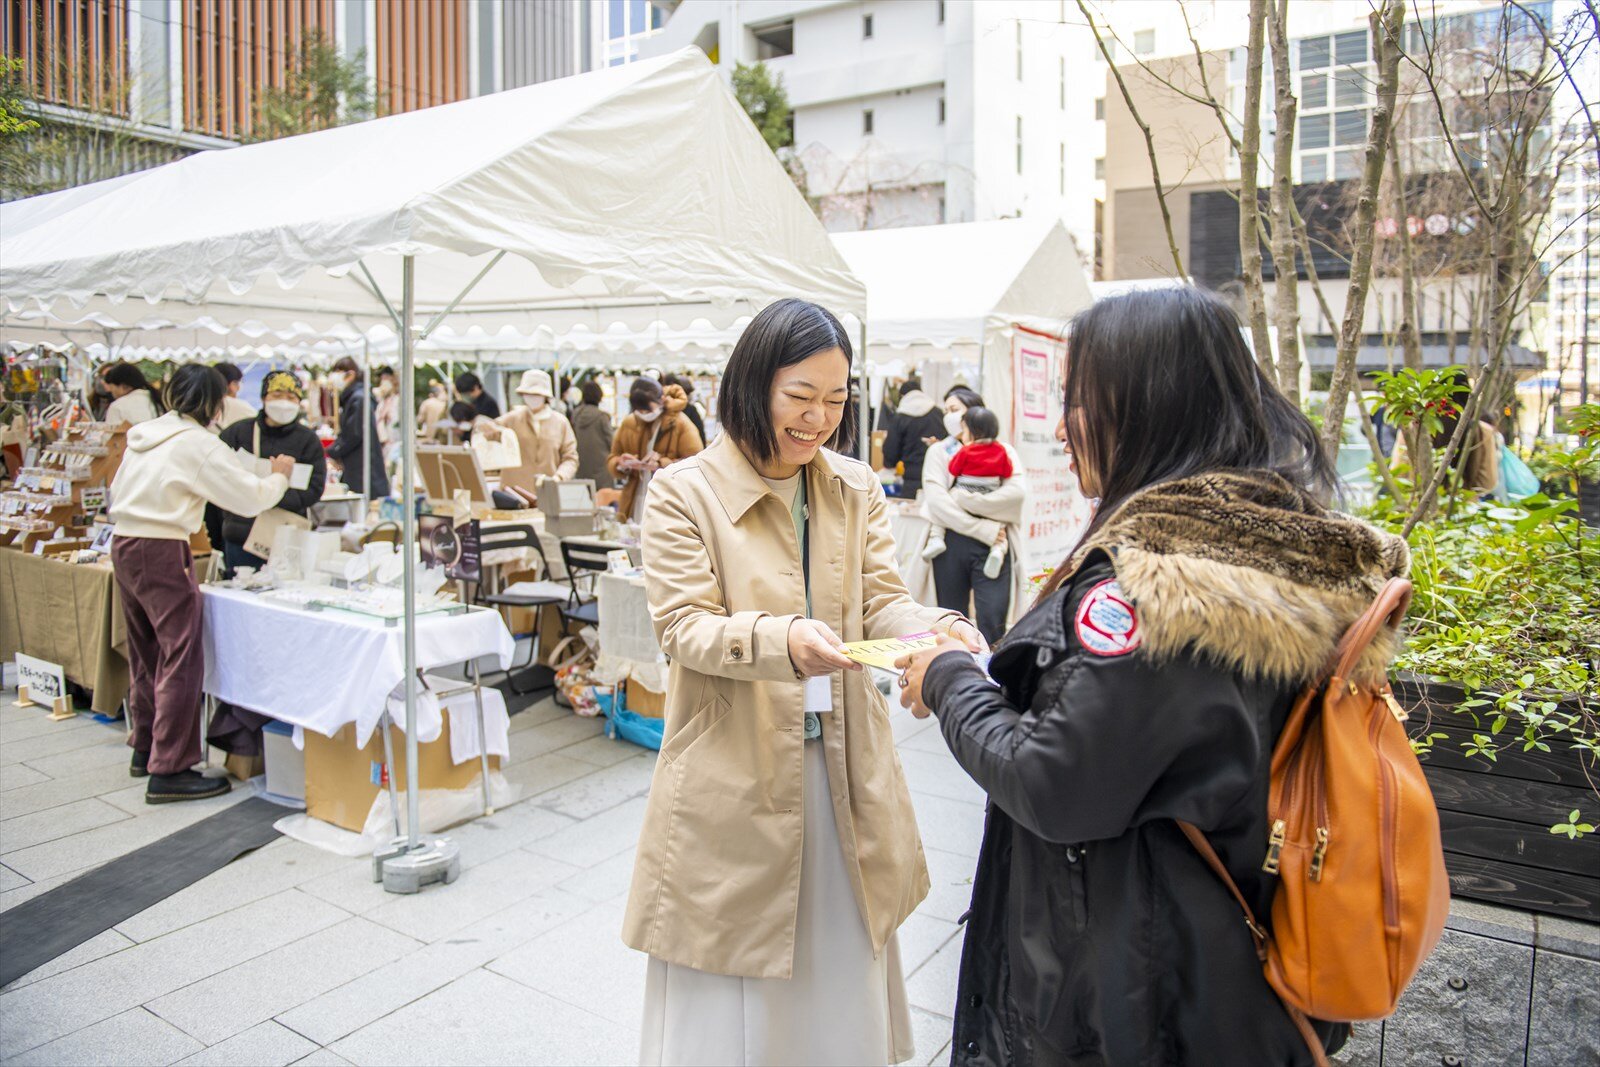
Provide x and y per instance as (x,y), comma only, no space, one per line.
(1250,572)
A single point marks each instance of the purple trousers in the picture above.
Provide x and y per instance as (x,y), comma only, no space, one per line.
(166,658)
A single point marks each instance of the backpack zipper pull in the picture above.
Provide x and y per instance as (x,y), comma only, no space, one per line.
(1274,846)
(1395,709)
(1319,854)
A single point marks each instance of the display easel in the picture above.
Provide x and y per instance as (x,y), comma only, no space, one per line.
(49,495)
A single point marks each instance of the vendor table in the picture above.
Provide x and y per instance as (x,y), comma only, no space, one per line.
(628,647)
(322,669)
(68,614)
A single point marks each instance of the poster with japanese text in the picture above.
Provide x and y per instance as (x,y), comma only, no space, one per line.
(1057,512)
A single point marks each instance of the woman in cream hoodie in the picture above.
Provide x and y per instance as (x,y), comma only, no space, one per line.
(173,467)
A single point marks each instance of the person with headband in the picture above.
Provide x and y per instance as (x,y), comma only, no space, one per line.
(277,430)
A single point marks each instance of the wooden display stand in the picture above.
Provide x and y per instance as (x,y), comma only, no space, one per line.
(49,497)
(60,707)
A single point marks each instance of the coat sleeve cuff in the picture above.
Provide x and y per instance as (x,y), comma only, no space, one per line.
(758,643)
(946,668)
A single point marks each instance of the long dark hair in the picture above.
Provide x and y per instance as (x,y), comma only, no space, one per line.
(784,333)
(131,377)
(1161,385)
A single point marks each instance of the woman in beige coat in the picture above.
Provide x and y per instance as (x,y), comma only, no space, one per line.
(779,853)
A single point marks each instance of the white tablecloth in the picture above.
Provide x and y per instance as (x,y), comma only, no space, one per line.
(908,529)
(628,647)
(323,669)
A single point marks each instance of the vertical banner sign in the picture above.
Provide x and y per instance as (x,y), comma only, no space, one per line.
(1056,512)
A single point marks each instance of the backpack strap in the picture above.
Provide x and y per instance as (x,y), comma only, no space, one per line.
(1389,609)
(1319,1054)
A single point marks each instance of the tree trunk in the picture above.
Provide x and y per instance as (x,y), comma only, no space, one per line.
(1286,306)
(1386,26)
(1418,444)
(1249,201)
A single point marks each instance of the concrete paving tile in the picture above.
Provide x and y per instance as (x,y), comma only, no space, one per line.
(604,881)
(68,1002)
(52,792)
(37,749)
(906,725)
(133,1037)
(108,753)
(932,987)
(279,865)
(264,1044)
(949,824)
(584,963)
(64,820)
(544,773)
(486,1019)
(349,886)
(38,723)
(15,776)
(509,828)
(554,735)
(98,946)
(950,885)
(921,936)
(926,740)
(12,897)
(252,992)
(10,879)
(546,710)
(480,892)
(930,1032)
(942,1056)
(95,847)
(603,751)
(940,776)
(369,998)
(322,1058)
(592,794)
(595,840)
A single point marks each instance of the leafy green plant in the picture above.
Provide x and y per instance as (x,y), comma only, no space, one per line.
(1572,827)
(1422,398)
(323,88)
(766,101)
(1507,606)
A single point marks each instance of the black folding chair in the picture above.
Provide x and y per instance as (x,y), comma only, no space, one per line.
(591,558)
(545,591)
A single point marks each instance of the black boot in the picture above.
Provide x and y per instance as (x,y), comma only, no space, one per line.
(140,767)
(185,785)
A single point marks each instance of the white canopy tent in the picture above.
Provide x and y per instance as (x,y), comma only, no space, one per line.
(639,195)
(954,294)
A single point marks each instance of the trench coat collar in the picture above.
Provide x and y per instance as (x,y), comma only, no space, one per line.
(739,485)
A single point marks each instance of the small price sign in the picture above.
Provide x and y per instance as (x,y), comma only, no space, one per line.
(93,499)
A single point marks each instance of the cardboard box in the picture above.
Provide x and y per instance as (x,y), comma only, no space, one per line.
(244,768)
(342,780)
(642,701)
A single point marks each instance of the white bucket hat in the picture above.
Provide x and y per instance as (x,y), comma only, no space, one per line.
(536,383)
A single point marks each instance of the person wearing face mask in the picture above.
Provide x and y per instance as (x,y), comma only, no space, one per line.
(548,447)
(656,434)
(917,417)
(278,430)
(357,422)
(592,427)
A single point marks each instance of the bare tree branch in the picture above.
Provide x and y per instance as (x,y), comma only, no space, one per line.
(1286,297)
(1249,198)
(1149,140)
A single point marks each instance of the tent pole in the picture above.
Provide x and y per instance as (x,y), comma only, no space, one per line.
(408,541)
(366,427)
(865,414)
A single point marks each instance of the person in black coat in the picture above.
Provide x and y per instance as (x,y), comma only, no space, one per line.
(357,419)
(917,419)
(1148,684)
(277,430)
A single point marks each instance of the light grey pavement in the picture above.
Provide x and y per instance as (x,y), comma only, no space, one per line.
(293,955)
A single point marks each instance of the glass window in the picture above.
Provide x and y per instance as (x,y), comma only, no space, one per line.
(1313,53)
(774,41)
(1019,144)
(616,24)
(866,121)
(1314,131)
(1019,49)
(1100,108)
(1347,163)
(941,111)
(866,25)
(636,16)
(1349,88)
(1314,167)
(1349,127)
(941,12)
(1061,167)
(1314,91)
(1100,169)
(1350,47)
(1144,42)
(657,18)
(1063,83)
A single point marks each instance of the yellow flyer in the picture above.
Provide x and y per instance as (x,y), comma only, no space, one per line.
(883,653)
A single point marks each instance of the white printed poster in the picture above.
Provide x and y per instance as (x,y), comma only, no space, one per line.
(1056,512)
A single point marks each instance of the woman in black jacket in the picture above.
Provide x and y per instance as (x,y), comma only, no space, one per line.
(357,420)
(275,431)
(1149,684)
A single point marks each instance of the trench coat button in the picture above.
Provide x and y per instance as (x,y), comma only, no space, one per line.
(736,651)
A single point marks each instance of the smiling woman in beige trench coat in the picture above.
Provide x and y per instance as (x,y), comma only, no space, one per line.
(779,853)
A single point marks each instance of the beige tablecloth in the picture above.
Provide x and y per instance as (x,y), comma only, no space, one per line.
(66,614)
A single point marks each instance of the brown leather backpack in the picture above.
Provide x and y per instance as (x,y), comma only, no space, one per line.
(1362,892)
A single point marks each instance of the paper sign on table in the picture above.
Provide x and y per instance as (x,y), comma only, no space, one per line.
(883,652)
(299,478)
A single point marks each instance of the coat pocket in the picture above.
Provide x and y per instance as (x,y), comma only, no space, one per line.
(699,724)
(1047,912)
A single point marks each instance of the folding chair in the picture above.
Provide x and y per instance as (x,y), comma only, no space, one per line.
(590,557)
(543,592)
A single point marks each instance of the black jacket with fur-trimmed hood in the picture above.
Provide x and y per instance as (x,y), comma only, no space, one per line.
(1150,687)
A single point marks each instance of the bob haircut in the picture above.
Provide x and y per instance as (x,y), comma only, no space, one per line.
(230,372)
(644,393)
(968,397)
(463,411)
(347,365)
(196,391)
(1160,385)
(786,332)
(592,393)
(981,423)
(466,382)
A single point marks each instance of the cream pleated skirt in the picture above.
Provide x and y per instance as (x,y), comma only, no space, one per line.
(842,1006)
